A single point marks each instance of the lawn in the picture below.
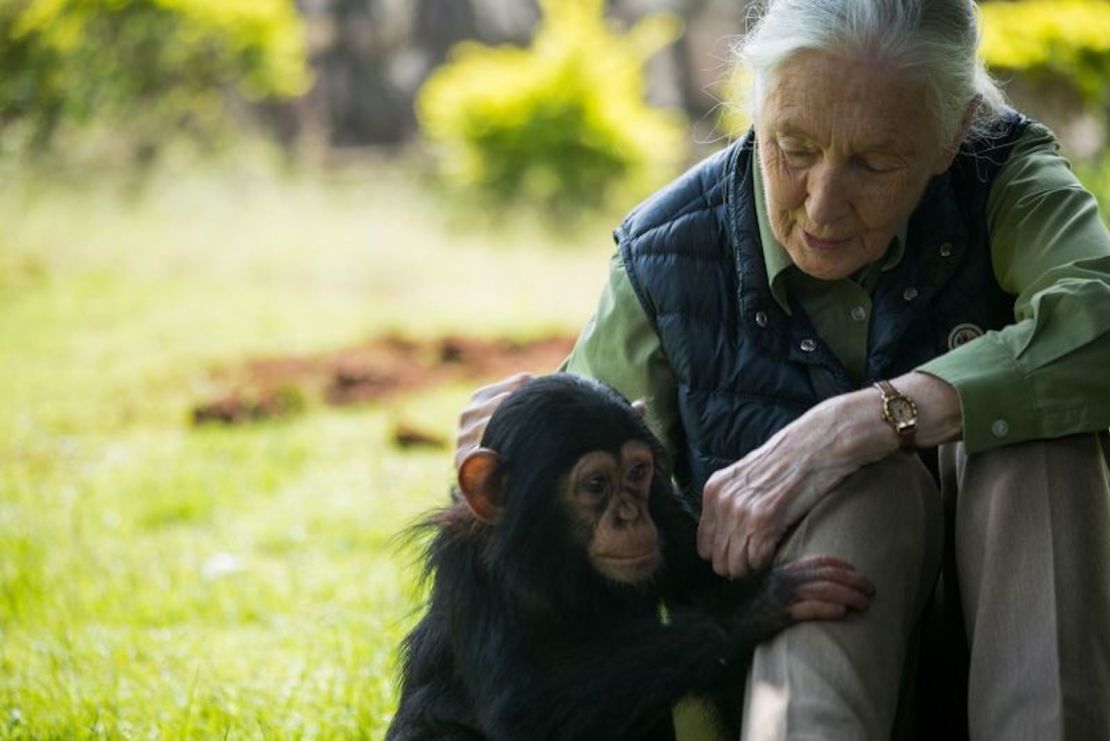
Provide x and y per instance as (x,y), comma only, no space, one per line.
(164,580)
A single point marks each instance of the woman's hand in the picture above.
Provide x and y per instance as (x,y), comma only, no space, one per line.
(475,415)
(748,506)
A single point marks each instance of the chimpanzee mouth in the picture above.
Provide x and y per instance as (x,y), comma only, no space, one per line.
(625,562)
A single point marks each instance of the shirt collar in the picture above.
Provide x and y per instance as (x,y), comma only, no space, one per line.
(778,260)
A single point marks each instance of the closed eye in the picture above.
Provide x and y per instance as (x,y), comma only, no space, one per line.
(797,157)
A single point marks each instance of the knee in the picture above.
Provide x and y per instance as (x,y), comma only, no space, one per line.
(897,504)
(887,519)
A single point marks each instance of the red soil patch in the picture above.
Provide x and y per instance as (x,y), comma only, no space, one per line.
(272,387)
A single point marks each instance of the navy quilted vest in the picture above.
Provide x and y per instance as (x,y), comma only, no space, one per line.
(744,368)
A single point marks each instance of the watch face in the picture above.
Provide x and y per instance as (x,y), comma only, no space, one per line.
(901,410)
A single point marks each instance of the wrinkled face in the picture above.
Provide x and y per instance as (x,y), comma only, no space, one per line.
(609,499)
(846,149)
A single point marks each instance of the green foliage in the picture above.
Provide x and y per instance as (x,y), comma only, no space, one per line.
(149,66)
(562,123)
(1095,176)
(1060,39)
(160,580)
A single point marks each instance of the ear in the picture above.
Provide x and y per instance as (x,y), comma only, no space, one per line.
(640,407)
(481,484)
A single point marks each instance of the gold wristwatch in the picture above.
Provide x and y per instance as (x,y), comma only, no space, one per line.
(899,412)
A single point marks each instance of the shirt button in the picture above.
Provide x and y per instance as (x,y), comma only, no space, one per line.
(910,293)
(946,249)
(761,319)
(808,345)
(1000,428)
(859,313)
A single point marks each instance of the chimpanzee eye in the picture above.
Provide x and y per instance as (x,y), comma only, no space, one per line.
(596,484)
(637,473)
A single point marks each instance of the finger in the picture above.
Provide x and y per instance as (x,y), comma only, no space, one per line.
(707,524)
(819,561)
(485,409)
(719,557)
(831,591)
(830,569)
(730,538)
(738,566)
(817,610)
(761,551)
(503,386)
(472,425)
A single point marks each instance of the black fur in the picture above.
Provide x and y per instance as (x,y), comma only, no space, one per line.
(523,639)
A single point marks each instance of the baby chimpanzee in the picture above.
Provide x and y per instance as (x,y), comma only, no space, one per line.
(548,577)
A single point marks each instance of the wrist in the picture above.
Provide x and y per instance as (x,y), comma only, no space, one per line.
(858,433)
(940,417)
(899,411)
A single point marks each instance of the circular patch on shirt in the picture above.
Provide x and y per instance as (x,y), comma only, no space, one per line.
(962,334)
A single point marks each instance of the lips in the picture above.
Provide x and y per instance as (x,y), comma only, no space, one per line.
(824,245)
(635,560)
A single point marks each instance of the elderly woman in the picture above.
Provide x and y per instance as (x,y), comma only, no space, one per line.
(892,267)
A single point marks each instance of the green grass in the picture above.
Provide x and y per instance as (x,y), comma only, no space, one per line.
(158,580)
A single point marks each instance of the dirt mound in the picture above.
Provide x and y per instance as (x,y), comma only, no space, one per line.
(264,388)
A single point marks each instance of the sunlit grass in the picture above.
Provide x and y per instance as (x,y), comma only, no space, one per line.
(158,580)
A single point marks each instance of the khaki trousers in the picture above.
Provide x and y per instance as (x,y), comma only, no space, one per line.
(1030,543)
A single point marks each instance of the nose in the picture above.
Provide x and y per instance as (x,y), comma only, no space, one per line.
(828,196)
(628,509)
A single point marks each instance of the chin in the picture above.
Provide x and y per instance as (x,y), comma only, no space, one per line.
(832,273)
(633,571)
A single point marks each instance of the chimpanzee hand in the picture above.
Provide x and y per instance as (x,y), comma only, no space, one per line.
(475,416)
(818,588)
(811,588)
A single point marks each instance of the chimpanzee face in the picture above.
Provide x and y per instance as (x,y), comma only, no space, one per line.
(608,498)
(564,477)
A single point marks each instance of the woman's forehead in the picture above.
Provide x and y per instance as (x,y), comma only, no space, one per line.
(844,100)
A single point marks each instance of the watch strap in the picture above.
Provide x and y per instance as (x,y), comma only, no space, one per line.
(906,432)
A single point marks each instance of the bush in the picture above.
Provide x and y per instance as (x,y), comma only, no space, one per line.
(1052,40)
(1095,176)
(150,66)
(562,123)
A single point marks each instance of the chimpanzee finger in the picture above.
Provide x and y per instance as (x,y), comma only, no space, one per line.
(831,591)
(829,568)
(817,610)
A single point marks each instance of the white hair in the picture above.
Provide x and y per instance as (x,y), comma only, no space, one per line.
(937,40)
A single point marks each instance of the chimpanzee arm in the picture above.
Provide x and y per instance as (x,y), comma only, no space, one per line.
(616,683)
(619,678)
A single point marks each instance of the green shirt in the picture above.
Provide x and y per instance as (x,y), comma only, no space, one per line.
(1045,375)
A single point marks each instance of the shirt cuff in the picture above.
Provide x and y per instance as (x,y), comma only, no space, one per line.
(996,405)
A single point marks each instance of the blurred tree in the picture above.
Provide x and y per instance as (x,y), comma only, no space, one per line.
(151,67)
(1057,53)
(562,123)
(372,56)
(1060,39)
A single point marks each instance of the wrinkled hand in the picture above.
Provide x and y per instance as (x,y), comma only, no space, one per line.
(748,506)
(476,415)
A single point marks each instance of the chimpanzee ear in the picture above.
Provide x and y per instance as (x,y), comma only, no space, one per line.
(640,407)
(480,482)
